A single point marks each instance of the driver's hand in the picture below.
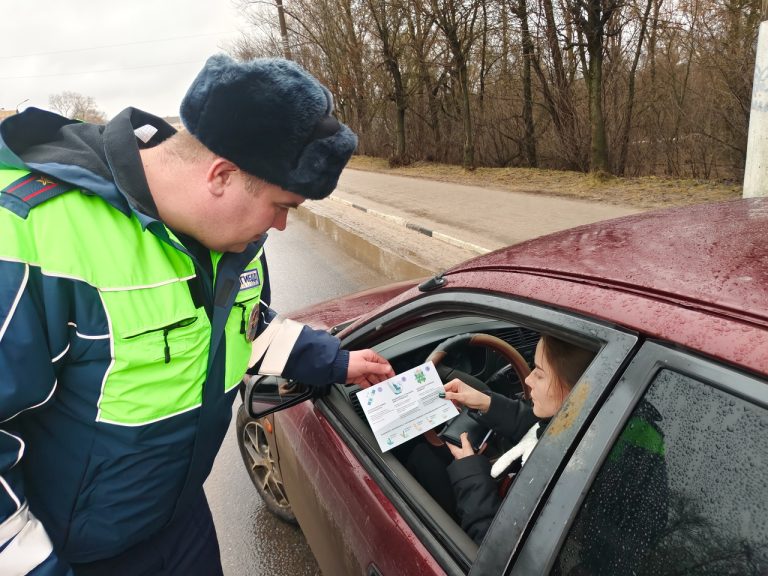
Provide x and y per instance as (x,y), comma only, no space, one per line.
(460,393)
(464,451)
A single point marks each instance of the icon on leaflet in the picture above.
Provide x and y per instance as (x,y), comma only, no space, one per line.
(370,395)
(420,378)
(395,387)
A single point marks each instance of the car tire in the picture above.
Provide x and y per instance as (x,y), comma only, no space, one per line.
(260,464)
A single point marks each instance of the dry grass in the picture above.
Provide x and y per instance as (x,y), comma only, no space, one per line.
(644,192)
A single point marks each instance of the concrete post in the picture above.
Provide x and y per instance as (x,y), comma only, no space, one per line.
(284,29)
(756,168)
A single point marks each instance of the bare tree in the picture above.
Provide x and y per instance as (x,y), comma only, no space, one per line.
(555,68)
(456,20)
(591,18)
(625,86)
(624,138)
(388,18)
(76,106)
(520,9)
(422,39)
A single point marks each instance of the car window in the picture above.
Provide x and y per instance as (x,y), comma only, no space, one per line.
(682,490)
(406,337)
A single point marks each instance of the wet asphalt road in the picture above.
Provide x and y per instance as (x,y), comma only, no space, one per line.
(304,267)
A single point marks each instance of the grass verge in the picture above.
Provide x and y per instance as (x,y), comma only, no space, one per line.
(641,192)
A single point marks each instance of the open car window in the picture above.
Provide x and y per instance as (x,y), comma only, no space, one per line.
(406,338)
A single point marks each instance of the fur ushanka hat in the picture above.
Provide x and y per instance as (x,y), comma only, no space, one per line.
(271,118)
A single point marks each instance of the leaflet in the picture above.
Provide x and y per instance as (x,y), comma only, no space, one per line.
(406,406)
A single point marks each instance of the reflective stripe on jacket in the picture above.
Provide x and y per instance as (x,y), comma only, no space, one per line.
(110,407)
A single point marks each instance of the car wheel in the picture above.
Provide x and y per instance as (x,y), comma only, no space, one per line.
(260,464)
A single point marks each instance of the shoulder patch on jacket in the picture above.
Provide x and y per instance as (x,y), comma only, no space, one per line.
(31,190)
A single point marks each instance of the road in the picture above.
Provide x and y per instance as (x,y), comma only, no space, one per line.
(483,216)
(305,267)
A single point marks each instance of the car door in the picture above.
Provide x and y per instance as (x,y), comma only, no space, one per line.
(692,499)
(361,510)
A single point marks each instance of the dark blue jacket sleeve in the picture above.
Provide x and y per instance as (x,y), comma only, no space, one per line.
(316,359)
(27,381)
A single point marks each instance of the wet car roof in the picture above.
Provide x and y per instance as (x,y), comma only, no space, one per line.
(712,256)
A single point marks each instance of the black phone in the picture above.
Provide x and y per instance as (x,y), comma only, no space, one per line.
(477,432)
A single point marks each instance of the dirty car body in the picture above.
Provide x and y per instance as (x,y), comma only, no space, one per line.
(675,305)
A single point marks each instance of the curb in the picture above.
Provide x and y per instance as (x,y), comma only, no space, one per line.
(416,227)
(393,266)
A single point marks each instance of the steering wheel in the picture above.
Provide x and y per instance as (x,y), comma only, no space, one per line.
(446,347)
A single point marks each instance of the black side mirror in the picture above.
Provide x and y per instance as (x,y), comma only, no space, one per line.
(265,395)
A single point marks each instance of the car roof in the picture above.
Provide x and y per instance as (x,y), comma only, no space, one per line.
(710,256)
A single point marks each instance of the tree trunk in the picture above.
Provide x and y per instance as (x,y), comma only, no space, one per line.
(458,27)
(401,105)
(483,58)
(466,117)
(622,166)
(387,29)
(355,52)
(418,32)
(558,97)
(530,132)
(598,161)
(591,18)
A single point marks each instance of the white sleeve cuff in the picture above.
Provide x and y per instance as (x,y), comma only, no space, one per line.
(275,345)
(28,543)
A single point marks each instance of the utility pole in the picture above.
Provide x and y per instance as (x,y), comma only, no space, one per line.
(284,29)
(756,167)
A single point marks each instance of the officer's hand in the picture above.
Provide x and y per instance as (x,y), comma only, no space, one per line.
(367,368)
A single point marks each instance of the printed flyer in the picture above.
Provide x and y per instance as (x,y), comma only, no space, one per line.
(406,406)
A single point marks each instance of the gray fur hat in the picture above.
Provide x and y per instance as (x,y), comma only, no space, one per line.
(271,118)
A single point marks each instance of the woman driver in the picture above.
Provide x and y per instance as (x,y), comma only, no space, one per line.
(467,487)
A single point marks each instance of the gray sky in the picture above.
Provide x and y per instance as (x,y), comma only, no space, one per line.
(141,53)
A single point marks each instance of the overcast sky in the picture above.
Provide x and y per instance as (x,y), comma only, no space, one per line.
(141,53)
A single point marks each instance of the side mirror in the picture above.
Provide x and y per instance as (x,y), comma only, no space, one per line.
(265,395)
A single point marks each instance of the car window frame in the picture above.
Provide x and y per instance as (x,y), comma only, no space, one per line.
(551,527)
(616,346)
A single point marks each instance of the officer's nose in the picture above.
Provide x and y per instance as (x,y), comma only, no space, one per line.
(281,220)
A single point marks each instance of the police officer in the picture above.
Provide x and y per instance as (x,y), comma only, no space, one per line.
(134,294)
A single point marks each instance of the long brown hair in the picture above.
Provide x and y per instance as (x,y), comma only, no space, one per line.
(567,360)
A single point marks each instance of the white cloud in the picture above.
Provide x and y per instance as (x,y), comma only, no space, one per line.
(141,53)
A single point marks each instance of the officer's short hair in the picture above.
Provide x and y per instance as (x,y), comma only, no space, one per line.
(186,148)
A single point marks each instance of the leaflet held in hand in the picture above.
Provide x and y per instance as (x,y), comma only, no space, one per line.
(406,406)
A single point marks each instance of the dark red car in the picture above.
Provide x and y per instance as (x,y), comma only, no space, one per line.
(675,306)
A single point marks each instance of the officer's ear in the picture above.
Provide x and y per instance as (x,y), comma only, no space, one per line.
(220,176)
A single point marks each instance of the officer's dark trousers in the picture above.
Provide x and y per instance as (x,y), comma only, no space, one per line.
(188,547)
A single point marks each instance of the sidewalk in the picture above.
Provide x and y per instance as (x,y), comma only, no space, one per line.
(409,227)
